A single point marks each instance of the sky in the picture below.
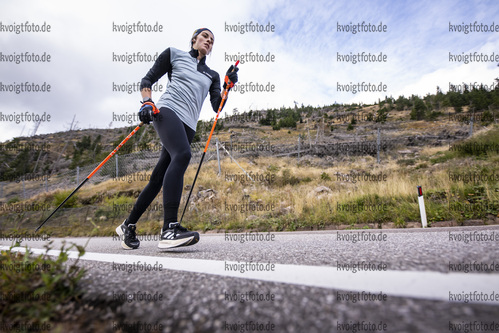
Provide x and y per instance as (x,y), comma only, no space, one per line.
(308,54)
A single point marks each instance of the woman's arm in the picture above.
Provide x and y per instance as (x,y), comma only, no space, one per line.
(161,66)
(215,93)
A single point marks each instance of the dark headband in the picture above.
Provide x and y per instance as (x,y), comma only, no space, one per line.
(198,31)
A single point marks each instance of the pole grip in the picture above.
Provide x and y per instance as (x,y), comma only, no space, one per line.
(224,98)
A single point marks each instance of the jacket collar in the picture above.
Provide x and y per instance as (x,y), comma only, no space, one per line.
(195,54)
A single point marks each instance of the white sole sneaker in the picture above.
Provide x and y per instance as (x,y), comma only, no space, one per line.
(168,244)
(121,233)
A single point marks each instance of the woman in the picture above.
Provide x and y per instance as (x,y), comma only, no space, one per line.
(175,118)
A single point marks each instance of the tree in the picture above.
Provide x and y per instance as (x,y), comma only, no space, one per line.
(382,115)
(419,109)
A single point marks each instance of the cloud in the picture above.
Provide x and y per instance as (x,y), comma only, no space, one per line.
(305,45)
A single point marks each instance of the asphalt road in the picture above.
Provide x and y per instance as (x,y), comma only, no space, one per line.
(413,280)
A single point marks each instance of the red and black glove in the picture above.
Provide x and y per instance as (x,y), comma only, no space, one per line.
(231,77)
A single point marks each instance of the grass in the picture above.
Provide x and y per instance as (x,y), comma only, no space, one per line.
(36,290)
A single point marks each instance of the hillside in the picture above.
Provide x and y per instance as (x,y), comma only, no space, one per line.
(311,168)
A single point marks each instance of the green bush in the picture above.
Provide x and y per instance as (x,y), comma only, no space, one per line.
(325,176)
(479,146)
(35,289)
(59,197)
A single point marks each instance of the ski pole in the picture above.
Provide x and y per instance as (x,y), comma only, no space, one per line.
(224,98)
(93,172)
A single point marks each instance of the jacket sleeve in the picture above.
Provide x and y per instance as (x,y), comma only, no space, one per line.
(215,93)
(161,66)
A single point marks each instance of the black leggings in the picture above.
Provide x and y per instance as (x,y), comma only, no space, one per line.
(174,159)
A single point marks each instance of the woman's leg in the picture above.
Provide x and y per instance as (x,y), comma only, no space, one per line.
(127,229)
(152,188)
(169,171)
(176,138)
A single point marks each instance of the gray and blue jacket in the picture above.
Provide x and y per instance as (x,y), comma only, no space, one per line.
(189,84)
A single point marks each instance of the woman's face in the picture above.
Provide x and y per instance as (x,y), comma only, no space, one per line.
(204,42)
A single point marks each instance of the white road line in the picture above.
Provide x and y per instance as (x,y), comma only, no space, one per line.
(454,287)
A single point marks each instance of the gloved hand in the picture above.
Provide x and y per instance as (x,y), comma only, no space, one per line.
(231,76)
(147,111)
